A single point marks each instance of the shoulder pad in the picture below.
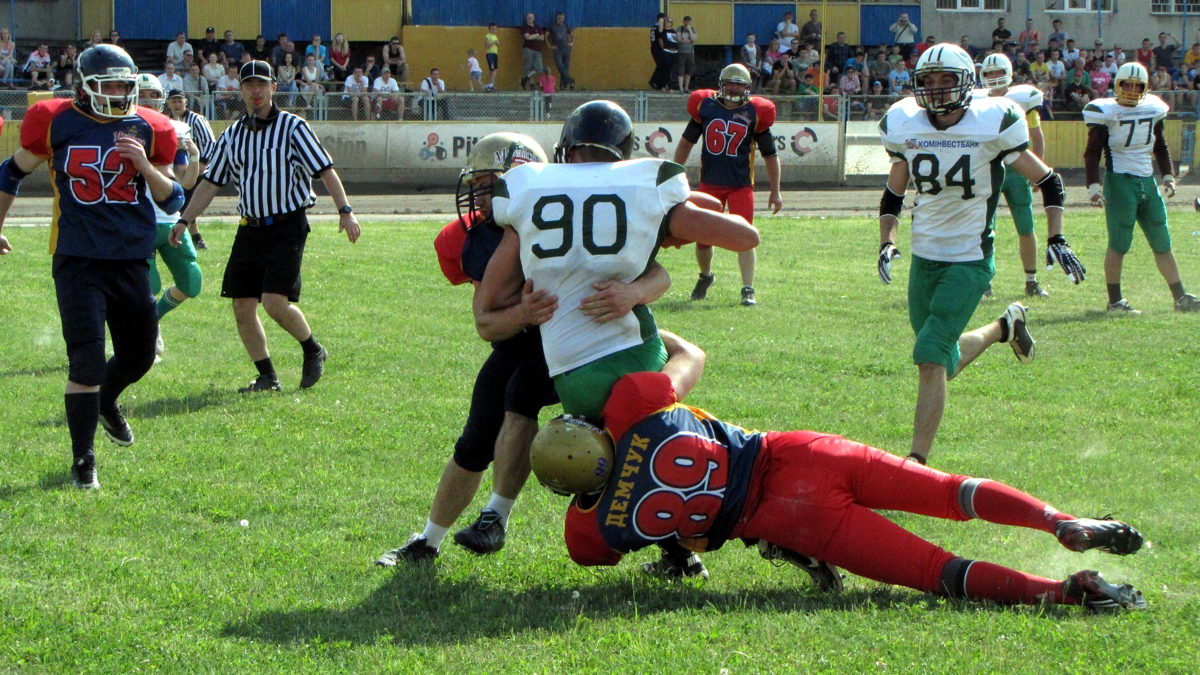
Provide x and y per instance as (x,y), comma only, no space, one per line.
(35,128)
(765,109)
(697,97)
(449,246)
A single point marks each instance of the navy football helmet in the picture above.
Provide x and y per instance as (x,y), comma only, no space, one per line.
(600,124)
(98,65)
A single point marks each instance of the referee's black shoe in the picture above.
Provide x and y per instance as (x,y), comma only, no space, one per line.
(115,427)
(314,367)
(263,383)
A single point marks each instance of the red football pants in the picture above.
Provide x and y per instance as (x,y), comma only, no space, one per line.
(818,492)
(737,200)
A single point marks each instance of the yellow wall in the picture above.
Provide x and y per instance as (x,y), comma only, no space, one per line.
(1066,141)
(603,58)
(838,17)
(97,14)
(243,17)
(368,19)
(713,21)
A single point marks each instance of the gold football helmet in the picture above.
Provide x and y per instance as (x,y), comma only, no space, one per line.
(493,154)
(572,456)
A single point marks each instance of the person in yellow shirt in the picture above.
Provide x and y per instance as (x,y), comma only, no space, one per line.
(492,42)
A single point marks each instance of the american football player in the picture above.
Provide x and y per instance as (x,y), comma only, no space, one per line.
(1128,131)
(956,149)
(733,125)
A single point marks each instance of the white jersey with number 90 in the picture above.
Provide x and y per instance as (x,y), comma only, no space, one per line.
(584,223)
(958,172)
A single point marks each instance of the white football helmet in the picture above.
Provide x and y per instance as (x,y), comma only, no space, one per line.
(944,58)
(150,92)
(1131,72)
(992,63)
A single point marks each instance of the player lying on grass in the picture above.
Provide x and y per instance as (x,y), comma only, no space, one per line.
(678,472)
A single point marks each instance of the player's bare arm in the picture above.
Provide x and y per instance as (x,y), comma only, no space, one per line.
(774,200)
(502,281)
(188,175)
(696,224)
(685,363)
(22,163)
(890,206)
(614,299)
(346,221)
(682,151)
(200,200)
(530,308)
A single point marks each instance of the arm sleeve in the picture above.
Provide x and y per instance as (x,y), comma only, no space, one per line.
(203,135)
(1032,119)
(449,246)
(1162,153)
(219,170)
(766,143)
(307,150)
(584,543)
(1097,139)
(693,131)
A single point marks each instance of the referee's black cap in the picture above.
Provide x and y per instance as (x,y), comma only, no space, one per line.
(175,93)
(256,70)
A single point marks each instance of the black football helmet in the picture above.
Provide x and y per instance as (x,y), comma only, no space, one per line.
(100,64)
(601,124)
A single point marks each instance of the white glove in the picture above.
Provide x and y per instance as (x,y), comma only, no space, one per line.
(887,253)
(1168,186)
(1096,194)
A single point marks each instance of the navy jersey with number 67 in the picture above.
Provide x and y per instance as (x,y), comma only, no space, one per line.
(728,136)
(100,205)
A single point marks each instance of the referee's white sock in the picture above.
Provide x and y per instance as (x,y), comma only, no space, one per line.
(501,505)
(434,534)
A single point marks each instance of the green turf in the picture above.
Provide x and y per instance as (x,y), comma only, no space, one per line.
(155,573)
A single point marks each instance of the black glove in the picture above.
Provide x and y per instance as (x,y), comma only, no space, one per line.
(887,253)
(1058,251)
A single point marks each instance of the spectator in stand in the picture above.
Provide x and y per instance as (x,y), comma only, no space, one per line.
(850,83)
(319,52)
(751,56)
(894,56)
(394,59)
(279,49)
(858,66)
(312,77)
(370,69)
(210,45)
(1118,55)
(260,51)
(804,58)
(1057,33)
(170,79)
(904,34)
(244,60)
(1077,93)
(66,65)
(1058,69)
(228,96)
(810,33)
(1021,65)
(833,102)
(40,68)
(232,49)
(1051,45)
(285,77)
(1001,33)
(1145,55)
(1109,67)
(1070,54)
(1038,67)
(1161,80)
(114,39)
(783,75)
(771,57)
(474,72)
(685,61)
(212,71)
(670,50)
(431,87)
(880,68)
(879,101)
(1164,54)
(921,48)
(178,48)
(839,52)
(809,88)
(356,87)
(787,29)
(899,79)
(387,97)
(339,58)
(660,24)
(8,57)
(531,52)
(1191,63)
(965,43)
(196,87)
(1029,39)
(97,39)
(1099,79)
(561,40)
(491,43)
(189,60)
(1042,79)
(546,83)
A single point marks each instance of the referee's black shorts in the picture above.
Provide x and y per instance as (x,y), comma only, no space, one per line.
(267,259)
(513,379)
(93,292)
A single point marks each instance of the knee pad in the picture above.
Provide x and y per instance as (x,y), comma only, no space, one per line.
(1159,238)
(1120,239)
(192,282)
(966,496)
(87,363)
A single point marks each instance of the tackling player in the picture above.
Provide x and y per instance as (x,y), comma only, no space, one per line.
(996,75)
(181,260)
(1128,130)
(733,124)
(589,218)
(955,149)
(105,154)
(678,472)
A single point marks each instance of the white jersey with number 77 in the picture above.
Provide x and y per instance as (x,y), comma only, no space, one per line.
(958,172)
(584,223)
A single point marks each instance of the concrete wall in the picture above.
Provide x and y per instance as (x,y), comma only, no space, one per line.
(52,20)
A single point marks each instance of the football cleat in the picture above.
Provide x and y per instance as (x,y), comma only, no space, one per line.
(416,549)
(485,535)
(83,474)
(674,567)
(1034,290)
(1097,595)
(1106,534)
(748,296)
(115,427)
(1017,335)
(700,292)
(198,242)
(1187,303)
(262,383)
(825,577)
(1122,307)
(988,293)
(314,367)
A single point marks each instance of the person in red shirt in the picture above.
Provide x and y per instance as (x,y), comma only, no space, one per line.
(1029,40)
(920,49)
(1145,54)
(531,50)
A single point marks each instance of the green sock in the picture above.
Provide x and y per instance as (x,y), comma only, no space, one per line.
(167,303)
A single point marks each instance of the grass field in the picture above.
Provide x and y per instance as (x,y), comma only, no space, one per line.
(155,573)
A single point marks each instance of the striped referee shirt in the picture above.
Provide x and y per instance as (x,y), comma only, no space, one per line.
(273,162)
(201,133)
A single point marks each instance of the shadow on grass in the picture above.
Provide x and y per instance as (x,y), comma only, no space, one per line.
(53,480)
(160,407)
(35,372)
(1089,316)
(677,306)
(414,607)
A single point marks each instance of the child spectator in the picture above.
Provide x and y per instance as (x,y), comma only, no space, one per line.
(491,42)
(547,82)
(473,69)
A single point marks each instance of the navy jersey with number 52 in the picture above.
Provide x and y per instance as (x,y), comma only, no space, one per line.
(728,136)
(100,205)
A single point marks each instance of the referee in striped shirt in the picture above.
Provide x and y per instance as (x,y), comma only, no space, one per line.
(272,155)
(202,135)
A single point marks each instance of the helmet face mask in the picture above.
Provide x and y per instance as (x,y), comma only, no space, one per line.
(598,124)
(734,73)
(489,157)
(571,456)
(937,97)
(1135,73)
(101,65)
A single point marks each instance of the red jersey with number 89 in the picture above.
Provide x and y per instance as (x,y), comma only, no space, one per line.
(727,139)
(100,205)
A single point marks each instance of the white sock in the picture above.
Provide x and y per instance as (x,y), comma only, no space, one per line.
(434,534)
(1030,278)
(501,505)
